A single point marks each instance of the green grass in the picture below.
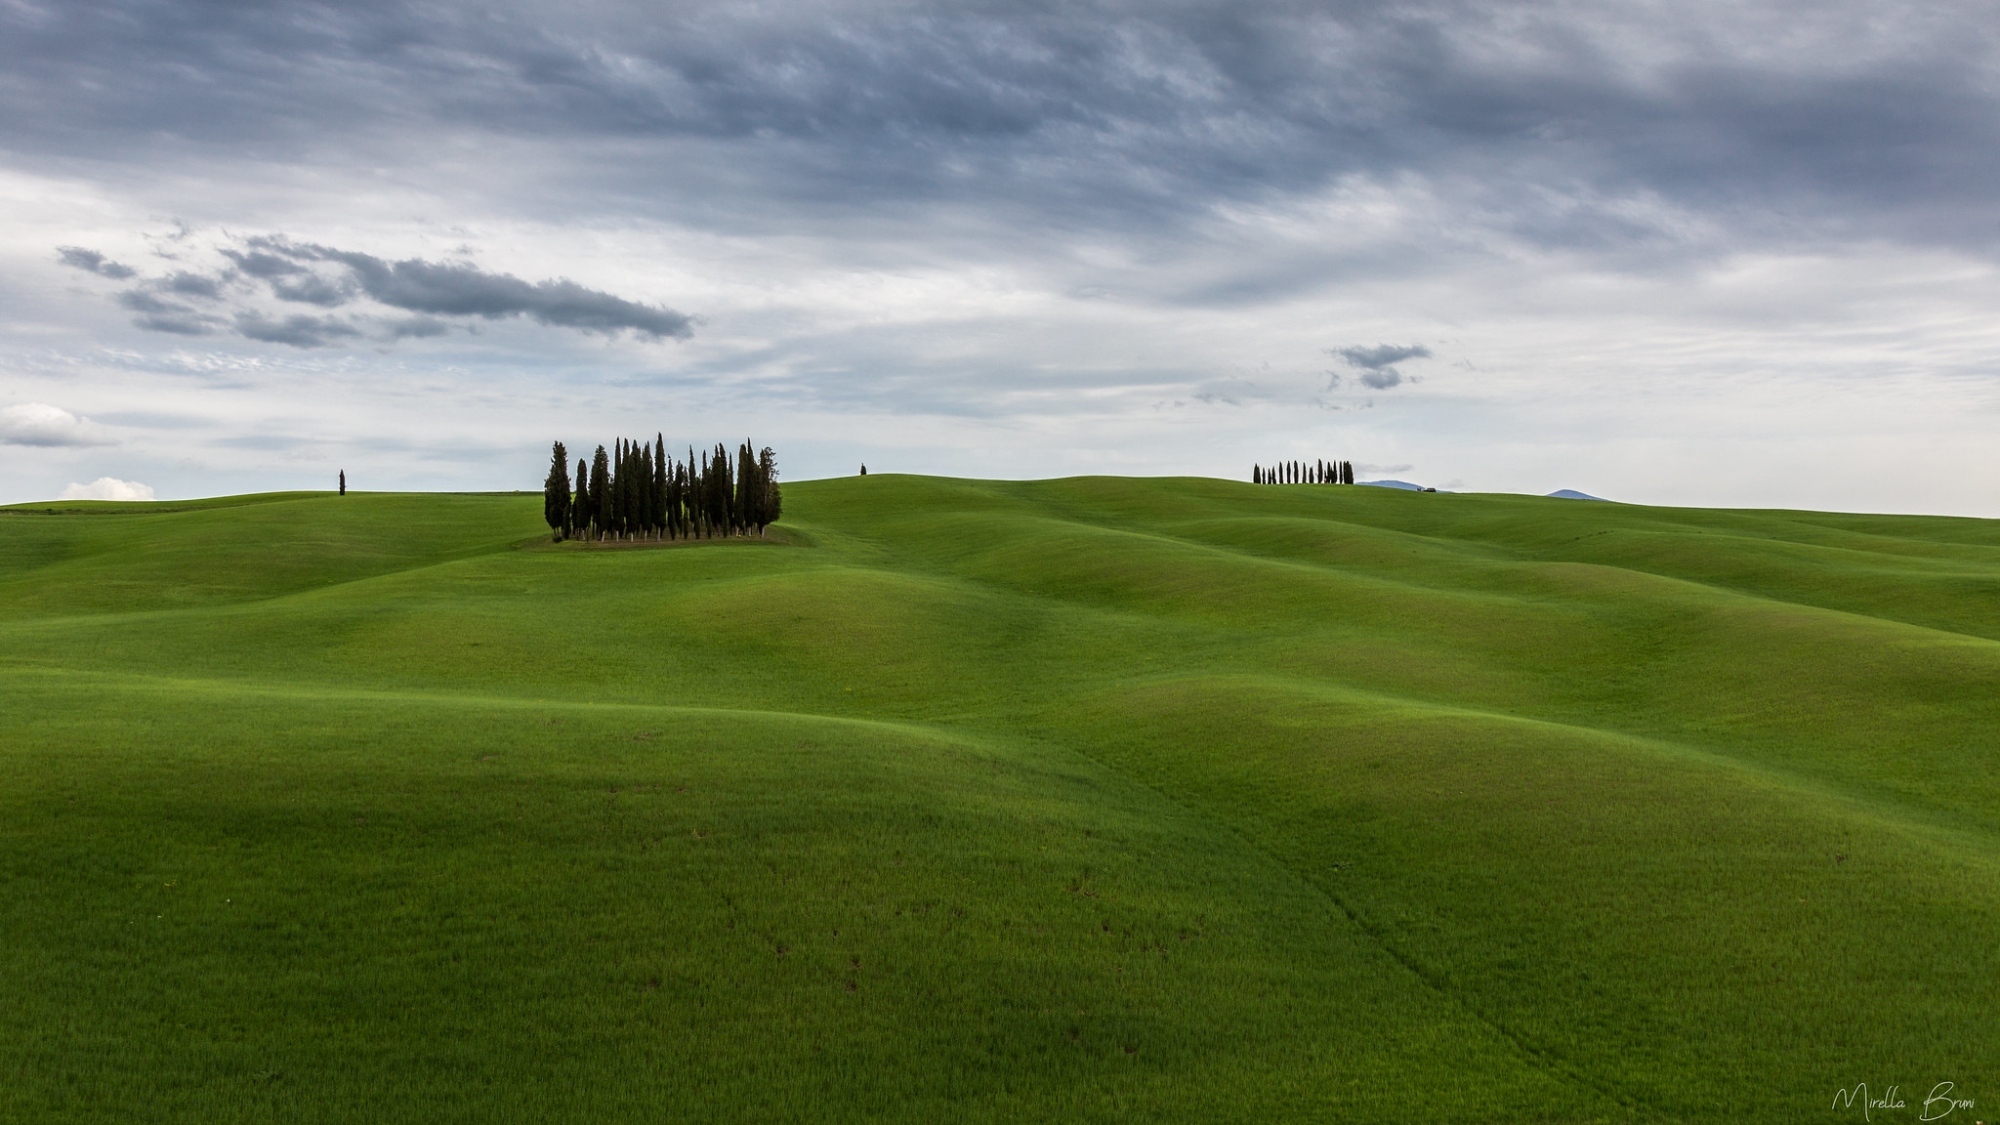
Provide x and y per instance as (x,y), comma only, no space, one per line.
(1094,799)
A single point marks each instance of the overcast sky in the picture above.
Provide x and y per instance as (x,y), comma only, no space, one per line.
(1682,253)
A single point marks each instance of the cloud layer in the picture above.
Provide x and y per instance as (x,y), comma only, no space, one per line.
(1570,118)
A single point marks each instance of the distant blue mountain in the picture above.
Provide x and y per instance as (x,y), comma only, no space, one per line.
(1573,494)
(1392,484)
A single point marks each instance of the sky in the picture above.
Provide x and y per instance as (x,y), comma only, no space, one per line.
(1687,253)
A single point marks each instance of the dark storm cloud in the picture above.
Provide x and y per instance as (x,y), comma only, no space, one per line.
(91,261)
(1776,118)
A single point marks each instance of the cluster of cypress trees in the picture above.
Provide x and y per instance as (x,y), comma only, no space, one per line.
(635,491)
(1303,472)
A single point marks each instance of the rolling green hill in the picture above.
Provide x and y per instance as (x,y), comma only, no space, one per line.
(1093,799)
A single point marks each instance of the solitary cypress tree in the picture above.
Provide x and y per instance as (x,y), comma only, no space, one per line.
(555,492)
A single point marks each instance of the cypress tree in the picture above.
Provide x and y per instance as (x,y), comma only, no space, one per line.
(747,492)
(555,492)
(600,469)
(676,488)
(660,471)
(626,478)
(642,489)
(611,510)
(697,497)
(718,491)
(771,502)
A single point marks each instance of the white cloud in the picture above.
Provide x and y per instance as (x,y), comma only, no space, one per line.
(38,423)
(108,488)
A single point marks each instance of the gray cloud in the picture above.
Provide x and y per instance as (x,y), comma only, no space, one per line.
(192,285)
(1382,355)
(159,315)
(416,327)
(91,261)
(299,330)
(311,289)
(1377,363)
(328,277)
(258,264)
(456,289)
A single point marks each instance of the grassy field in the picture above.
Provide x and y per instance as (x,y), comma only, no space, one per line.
(1094,799)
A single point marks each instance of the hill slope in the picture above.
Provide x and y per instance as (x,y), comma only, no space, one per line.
(1081,799)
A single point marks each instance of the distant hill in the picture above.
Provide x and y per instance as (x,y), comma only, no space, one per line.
(1403,484)
(1573,494)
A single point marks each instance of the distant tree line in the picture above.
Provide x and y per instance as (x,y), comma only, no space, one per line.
(1303,472)
(635,491)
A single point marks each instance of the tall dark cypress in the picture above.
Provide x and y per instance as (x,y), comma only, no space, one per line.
(719,488)
(644,487)
(676,489)
(600,471)
(771,502)
(746,489)
(698,492)
(555,492)
(660,470)
(624,480)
